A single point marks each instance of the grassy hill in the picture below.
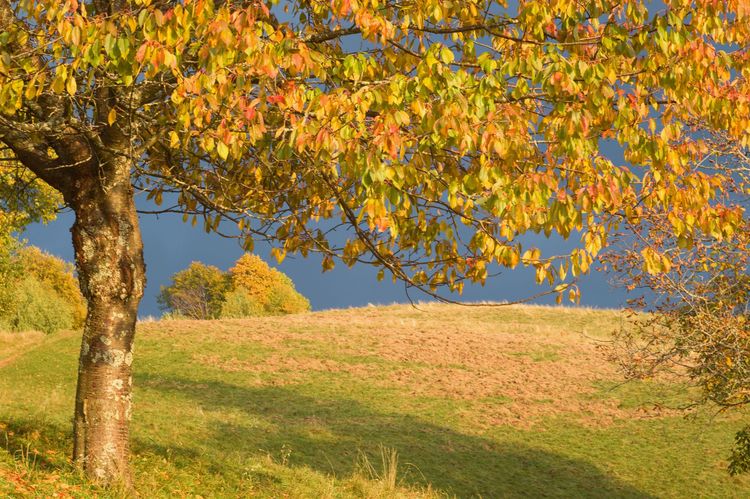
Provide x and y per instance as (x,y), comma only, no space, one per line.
(374,402)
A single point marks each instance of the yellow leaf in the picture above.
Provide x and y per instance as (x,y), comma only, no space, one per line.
(279,254)
(58,84)
(31,90)
(446,55)
(222,150)
(666,263)
(499,147)
(328,264)
(71,86)
(112,116)
(541,275)
(174,140)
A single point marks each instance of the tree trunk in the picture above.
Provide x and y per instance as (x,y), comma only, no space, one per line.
(109,259)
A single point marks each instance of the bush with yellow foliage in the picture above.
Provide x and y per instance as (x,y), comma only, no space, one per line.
(250,289)
(25,199)
(39,292)
(56,274)
(259,287)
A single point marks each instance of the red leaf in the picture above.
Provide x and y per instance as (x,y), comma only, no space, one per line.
(141,54)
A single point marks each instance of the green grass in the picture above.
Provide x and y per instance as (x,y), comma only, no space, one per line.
(316,406)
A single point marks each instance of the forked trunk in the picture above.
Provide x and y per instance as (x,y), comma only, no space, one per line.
(109,258)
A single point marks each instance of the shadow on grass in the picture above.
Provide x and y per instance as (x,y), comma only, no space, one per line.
(29,442)
(326,434)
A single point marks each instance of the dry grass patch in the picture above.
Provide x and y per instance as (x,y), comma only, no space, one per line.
(515,365)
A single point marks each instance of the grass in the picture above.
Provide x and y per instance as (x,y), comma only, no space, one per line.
(374,402)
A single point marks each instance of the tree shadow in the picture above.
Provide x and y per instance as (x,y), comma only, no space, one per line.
(326,434)
(34,443)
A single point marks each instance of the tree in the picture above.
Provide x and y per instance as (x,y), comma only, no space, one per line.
(39,308)
(452,130)
(250,288)
(23,199)
(697,320)
(273,292)
(196,292)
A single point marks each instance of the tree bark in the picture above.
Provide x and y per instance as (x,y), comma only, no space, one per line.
(109,259)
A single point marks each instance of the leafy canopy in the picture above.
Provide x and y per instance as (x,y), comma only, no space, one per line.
(434,133)
(254,281)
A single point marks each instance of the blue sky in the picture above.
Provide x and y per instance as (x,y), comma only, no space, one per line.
(170,245)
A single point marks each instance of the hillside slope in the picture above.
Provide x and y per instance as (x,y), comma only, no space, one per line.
(492,402)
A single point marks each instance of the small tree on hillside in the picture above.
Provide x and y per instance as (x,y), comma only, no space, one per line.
(449,131)
(238,304)
(271,289)
(283,298)
(697,324)
(196,292)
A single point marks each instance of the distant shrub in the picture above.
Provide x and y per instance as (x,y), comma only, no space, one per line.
(38,292)
(10,273)
(40,308)
(268,287)
(171,316)
(238,304)
(251,288)
(255,276)
(197,292)
(284,299)
(58,275)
